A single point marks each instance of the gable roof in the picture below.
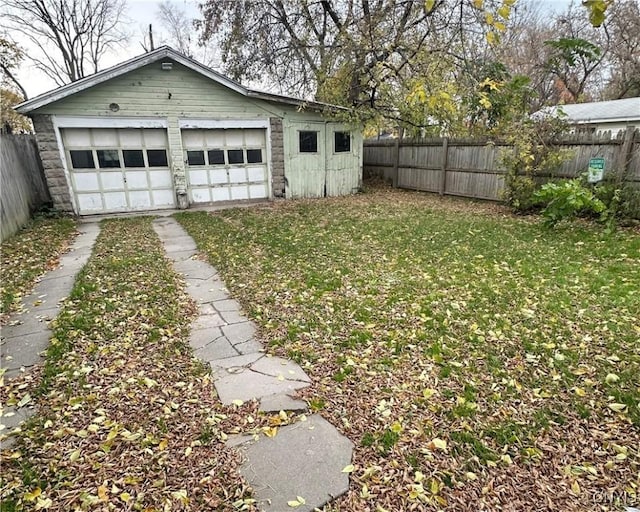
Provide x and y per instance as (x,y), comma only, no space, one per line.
(627,109)
(163,52)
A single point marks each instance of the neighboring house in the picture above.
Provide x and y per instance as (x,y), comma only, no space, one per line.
(601,116)
(163,131)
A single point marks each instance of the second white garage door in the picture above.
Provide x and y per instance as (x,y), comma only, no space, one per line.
(225,165)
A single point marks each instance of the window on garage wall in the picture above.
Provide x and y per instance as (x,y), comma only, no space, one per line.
(342,142)
(108,158)
(234,147)
(157,157)
(129,151)
(235,156)
(133,157)
(308,142)
(216,157)
(254,156)
(82,159)
(195,157)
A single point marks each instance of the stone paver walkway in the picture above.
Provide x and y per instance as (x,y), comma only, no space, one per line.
(27,334)
(305,459)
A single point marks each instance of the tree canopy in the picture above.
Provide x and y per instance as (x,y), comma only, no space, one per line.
(434,66)
(428,66)
(371,55)
(11,91)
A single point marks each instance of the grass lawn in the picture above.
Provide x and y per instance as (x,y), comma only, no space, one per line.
(477,360)
(29,254)
(126,418)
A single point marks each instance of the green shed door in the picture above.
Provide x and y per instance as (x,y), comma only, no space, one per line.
(344,170)
(305,159)
(322,159)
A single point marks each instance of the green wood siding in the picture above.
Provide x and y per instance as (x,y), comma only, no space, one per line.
(305,173)
(145,93)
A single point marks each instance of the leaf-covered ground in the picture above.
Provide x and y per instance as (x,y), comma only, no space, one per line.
(126,419)
(478,361)
(29,254)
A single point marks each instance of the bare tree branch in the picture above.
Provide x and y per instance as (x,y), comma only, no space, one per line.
(178,30)
(69,38)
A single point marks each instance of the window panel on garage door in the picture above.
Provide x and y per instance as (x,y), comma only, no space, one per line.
(225,165)
(119,169)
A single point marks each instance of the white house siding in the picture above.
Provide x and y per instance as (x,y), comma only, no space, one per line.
(614,128)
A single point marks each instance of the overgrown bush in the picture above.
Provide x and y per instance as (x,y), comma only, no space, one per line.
(621,198)
(568,200)
(519,193)
(532,155)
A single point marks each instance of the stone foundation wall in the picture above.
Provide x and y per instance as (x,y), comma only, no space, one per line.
(277,157)
(51,163)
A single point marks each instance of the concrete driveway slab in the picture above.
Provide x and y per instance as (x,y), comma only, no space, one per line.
(305,459)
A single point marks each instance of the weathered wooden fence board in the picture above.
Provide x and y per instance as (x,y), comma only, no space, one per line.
(471,167)
(23,188)
(582,154)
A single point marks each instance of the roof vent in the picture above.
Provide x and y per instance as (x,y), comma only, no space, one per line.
(167,66)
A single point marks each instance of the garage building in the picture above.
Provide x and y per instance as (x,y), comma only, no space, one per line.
(162,131)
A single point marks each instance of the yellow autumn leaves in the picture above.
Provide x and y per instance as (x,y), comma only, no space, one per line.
(297,502)
(496,21)
(426,490)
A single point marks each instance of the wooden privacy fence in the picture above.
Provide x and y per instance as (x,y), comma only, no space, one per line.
(22,188)
(471,167)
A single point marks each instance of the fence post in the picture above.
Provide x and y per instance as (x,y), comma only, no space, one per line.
(443,172)
(624,158)
(396,160)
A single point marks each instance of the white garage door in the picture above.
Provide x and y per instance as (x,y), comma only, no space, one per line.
(119,170)
(225,165)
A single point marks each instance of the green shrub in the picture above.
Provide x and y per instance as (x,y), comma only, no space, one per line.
(519,193)
(531,155)
(568,200)
(621,199)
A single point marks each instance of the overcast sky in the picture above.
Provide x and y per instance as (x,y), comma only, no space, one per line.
(140,14)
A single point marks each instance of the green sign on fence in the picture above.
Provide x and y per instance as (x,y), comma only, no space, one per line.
(596,170)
